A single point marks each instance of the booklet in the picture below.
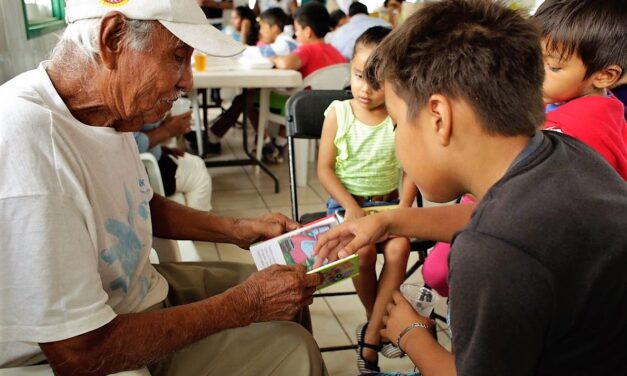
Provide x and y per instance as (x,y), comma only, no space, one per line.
(296,247)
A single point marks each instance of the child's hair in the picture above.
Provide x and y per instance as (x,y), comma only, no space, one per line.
(336,17)
(357,8)
(316,16)
(274,16)
(371,37)
(476,50)
(246,13)
(594,30)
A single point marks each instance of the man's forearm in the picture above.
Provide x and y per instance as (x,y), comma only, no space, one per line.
(131,341)
(172,220)
(437,223)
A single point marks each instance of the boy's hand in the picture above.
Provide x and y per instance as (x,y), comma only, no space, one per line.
(344,240)
(399,315)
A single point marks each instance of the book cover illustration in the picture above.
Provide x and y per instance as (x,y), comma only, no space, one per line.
(296,247)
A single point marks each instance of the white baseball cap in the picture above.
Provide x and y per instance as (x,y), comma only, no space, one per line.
(183,18)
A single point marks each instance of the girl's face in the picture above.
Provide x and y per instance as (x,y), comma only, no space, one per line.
(236,21)
(364,95)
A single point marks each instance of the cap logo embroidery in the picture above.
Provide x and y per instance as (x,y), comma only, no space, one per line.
(113,3)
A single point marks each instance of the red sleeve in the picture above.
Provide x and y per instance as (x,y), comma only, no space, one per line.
(303,52)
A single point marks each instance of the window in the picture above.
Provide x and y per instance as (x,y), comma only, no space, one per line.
(43,16)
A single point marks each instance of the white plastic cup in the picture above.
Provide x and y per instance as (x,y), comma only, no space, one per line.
(420,297)
(180,106)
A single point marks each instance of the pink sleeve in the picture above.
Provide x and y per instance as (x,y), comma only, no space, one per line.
(435,268)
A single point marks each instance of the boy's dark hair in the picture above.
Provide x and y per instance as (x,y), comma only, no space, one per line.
(336,17)
(371,37)
(357,8)
(476,50)
(316,16)
(594,30)
(274,16)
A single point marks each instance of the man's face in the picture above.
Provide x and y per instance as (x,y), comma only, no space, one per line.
(144,85)
(564,79)
(267,33)
(417,149)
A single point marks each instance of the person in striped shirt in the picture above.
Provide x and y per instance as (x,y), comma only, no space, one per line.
(357,165)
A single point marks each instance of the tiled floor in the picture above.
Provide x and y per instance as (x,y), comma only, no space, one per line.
(240,192)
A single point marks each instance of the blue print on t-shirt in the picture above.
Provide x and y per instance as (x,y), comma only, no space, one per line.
(128,248)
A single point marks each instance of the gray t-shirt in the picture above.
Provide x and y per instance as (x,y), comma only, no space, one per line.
(538,277)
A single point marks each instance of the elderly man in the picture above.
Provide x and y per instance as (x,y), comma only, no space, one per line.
(77,216)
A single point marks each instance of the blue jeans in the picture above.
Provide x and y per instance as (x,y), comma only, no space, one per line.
(333,206)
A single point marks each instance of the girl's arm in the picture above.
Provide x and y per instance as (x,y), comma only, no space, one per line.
(326,165)
(410,190)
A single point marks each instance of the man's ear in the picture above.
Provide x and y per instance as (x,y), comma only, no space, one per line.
(606,77)
(112,30)
(440,117)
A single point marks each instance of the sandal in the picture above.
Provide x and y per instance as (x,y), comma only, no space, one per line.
(364,366)
(390,350)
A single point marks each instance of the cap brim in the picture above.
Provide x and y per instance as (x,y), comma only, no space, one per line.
(205,38)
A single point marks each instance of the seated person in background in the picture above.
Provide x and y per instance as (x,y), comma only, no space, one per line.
(585,53)
(214,9)
(273,42)
(77,217)
(575,88)
(311,22)
(357,165)
(359,21)
(244,22)
(182,174)
(338,19)
(537,277)
(394,9)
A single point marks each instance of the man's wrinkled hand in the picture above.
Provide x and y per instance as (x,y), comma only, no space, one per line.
(280,291)
(249,231)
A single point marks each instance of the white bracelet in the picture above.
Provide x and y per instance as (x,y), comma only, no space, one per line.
(409,328)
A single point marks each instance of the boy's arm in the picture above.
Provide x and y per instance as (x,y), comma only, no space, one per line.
(436,223)
(326,165)
(291,61)
(410,190)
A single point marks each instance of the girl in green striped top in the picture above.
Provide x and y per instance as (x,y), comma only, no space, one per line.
(357,165)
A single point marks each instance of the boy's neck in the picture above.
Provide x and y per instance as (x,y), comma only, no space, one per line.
(313,40)
(488,159)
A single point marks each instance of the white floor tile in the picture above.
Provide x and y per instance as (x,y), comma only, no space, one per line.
(327,330)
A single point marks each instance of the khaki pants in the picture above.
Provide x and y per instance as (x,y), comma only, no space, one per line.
(272,348)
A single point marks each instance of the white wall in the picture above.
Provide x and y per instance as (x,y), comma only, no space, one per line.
(17,54)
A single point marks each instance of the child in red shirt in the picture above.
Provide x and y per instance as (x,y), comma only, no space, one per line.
(583,58)
(311,23)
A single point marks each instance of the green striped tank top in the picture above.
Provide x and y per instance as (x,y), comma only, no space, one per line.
(365,160)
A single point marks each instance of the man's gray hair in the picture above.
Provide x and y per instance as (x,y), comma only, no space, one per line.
(78,48)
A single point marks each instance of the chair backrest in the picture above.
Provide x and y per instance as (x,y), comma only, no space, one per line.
(304,119)
(304,111)
(333,77)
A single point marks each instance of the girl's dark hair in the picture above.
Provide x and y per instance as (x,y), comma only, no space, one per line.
(594,30)
(371,37)
(246,13)
(316,16)
(475,50)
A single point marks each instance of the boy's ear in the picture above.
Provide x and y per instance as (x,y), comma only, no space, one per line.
(606,77)
(441,116)
(309,32)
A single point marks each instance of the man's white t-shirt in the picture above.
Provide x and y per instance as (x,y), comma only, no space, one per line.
(74,222)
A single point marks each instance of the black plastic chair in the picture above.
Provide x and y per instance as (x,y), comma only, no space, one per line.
(304,119)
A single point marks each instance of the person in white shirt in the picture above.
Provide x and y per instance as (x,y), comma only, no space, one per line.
(77,216)
(344,38)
